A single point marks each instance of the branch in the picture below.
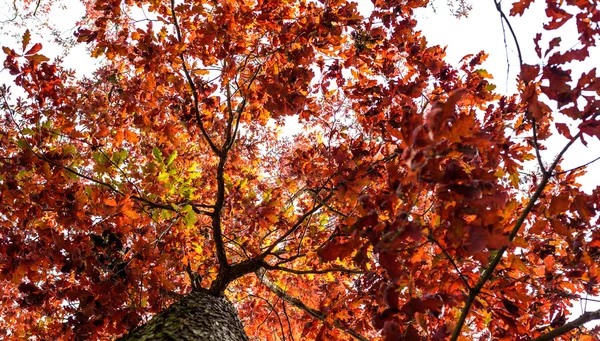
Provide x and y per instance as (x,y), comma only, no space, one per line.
(565,328)
(272,311)
(216,221)
(314,272)
(578,167)
(512,31)
(296,225)
(262,276)
(487,274)
(190,81)
(433,240)
(234,272)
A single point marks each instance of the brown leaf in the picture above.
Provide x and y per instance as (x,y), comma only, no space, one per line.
(25,39)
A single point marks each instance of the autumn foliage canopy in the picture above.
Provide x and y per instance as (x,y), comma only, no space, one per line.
(330,173)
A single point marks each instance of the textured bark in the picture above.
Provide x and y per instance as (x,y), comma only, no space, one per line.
(199,316)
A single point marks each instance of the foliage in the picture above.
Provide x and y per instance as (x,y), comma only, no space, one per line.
(400,211)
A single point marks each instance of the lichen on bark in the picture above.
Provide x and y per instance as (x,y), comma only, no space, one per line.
(199,316)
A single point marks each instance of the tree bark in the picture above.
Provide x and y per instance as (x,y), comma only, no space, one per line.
(199,316)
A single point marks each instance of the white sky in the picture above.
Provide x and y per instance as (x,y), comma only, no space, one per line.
(483,31)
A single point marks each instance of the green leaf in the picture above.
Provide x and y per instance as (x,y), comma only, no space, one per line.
(69,150)
(99,158)
(27,131)
(70,175)
(490,87)
(119,157)
(23,144)
(483,73)
(113,79)
(162,176)
(171,158)
(190,218)
(157,154)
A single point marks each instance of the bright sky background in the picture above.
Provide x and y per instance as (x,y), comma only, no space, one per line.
(481,31)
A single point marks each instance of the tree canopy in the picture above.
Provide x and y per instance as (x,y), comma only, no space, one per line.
(331,174)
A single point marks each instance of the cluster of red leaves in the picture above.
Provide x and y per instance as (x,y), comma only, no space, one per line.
(400,210)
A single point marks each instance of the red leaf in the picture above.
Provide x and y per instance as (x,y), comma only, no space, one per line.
(519,7)
(558,17)
(411,334)
(553,43)
(391,295)
(590,127)
(569,56)
(334,250)
(391,331)
(563,129)
(380,319)
(9,51)
(389,261)
(529,72)
(536,41)
(510,307)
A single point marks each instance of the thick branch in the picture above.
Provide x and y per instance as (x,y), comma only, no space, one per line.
(487,274)
(234,272)
(565,328)
(262,276)
(216,219)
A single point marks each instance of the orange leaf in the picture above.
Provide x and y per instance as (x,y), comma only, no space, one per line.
(110,202)
(559,204)
(519,7)
(35,49)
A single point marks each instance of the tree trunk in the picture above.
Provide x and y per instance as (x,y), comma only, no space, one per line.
(199,316)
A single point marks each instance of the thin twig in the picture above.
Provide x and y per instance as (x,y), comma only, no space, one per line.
(451,260)
(287,317)
(578,167)
(192,85)
(262,276)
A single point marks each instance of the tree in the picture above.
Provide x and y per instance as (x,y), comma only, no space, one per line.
(408,205)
